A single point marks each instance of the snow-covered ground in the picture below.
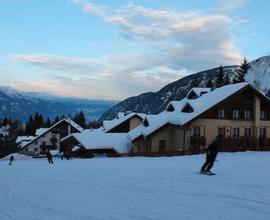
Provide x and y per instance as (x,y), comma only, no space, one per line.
(167,188)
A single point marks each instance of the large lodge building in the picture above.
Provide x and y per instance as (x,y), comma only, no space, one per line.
(237,114)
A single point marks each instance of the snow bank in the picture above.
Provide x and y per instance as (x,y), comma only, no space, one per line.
(166,188)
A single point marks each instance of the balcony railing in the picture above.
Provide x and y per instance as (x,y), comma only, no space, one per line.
(232,144)
(197,144)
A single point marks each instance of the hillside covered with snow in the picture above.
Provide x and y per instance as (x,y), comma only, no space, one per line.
(137,188)
(155,102)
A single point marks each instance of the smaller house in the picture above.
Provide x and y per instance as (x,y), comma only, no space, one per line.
(96,142)
(123,123)
(21,141)
(49,138)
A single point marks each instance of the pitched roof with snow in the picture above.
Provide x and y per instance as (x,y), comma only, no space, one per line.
(41,131)
(180,117)
(110,124)
(101,140)
(24,138)
(199,91)
(44,131)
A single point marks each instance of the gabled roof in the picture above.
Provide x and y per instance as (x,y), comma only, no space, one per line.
(24,138)
(69,121)
(177,117)
(101,140)
(110,124)
(199,91)
(41,131)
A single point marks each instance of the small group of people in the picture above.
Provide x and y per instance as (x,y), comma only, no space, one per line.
(211,154)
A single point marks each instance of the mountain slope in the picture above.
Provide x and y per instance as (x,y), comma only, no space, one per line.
(20,105)
(153,103)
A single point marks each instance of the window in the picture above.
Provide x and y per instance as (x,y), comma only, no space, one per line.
(263,115)
(236,132)
(196,131)
(170,108)
(187,108)
(162,146)
(263,132)
(235,114)
(221,132)
(26,149)
(247,114)
(221,113)
(247,132)
(35,149)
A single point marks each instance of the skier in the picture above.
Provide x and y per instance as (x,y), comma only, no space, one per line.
(11,159)
(49,157)
(211,154)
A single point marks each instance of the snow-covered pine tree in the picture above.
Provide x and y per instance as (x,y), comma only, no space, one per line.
(220,77)
(242,70)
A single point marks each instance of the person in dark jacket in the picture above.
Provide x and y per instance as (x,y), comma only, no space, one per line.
(211,154)
(11,159)
(49,157)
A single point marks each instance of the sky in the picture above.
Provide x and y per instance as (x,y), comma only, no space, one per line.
(114,49)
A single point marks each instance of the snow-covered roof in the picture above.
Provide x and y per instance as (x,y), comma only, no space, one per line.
(101,140)
(199,91)
(178,117)
(44,131)
(24,138)
(4,130)
(40,131)
(110,124)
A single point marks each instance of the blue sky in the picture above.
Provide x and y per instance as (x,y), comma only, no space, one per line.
(116,49)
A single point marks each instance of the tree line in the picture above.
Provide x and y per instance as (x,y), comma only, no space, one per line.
(10,128)
(223,78)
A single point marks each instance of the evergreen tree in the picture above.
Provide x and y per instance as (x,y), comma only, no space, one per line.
(79,118)
(242,70)
(5,121)
(38,121)
(195,82)
(220,77)
(226,79)
(209,84)
(48,123)
(56,119)
(32,128)
(94,124)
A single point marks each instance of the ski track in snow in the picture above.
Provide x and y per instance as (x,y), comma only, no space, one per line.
(137,188)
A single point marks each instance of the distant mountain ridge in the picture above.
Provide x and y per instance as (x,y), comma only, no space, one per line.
(155,102)
(21,105)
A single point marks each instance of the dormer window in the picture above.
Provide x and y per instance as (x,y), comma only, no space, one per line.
(192,95)
(203,92)
(221,113)
(170,108)
(145,123)
(187,108)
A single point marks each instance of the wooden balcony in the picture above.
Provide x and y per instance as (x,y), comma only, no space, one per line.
(232,144)
(197,144)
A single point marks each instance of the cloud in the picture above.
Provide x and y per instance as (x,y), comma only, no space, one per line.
(189,35)
(176,43)
(231,5)
(81,66)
